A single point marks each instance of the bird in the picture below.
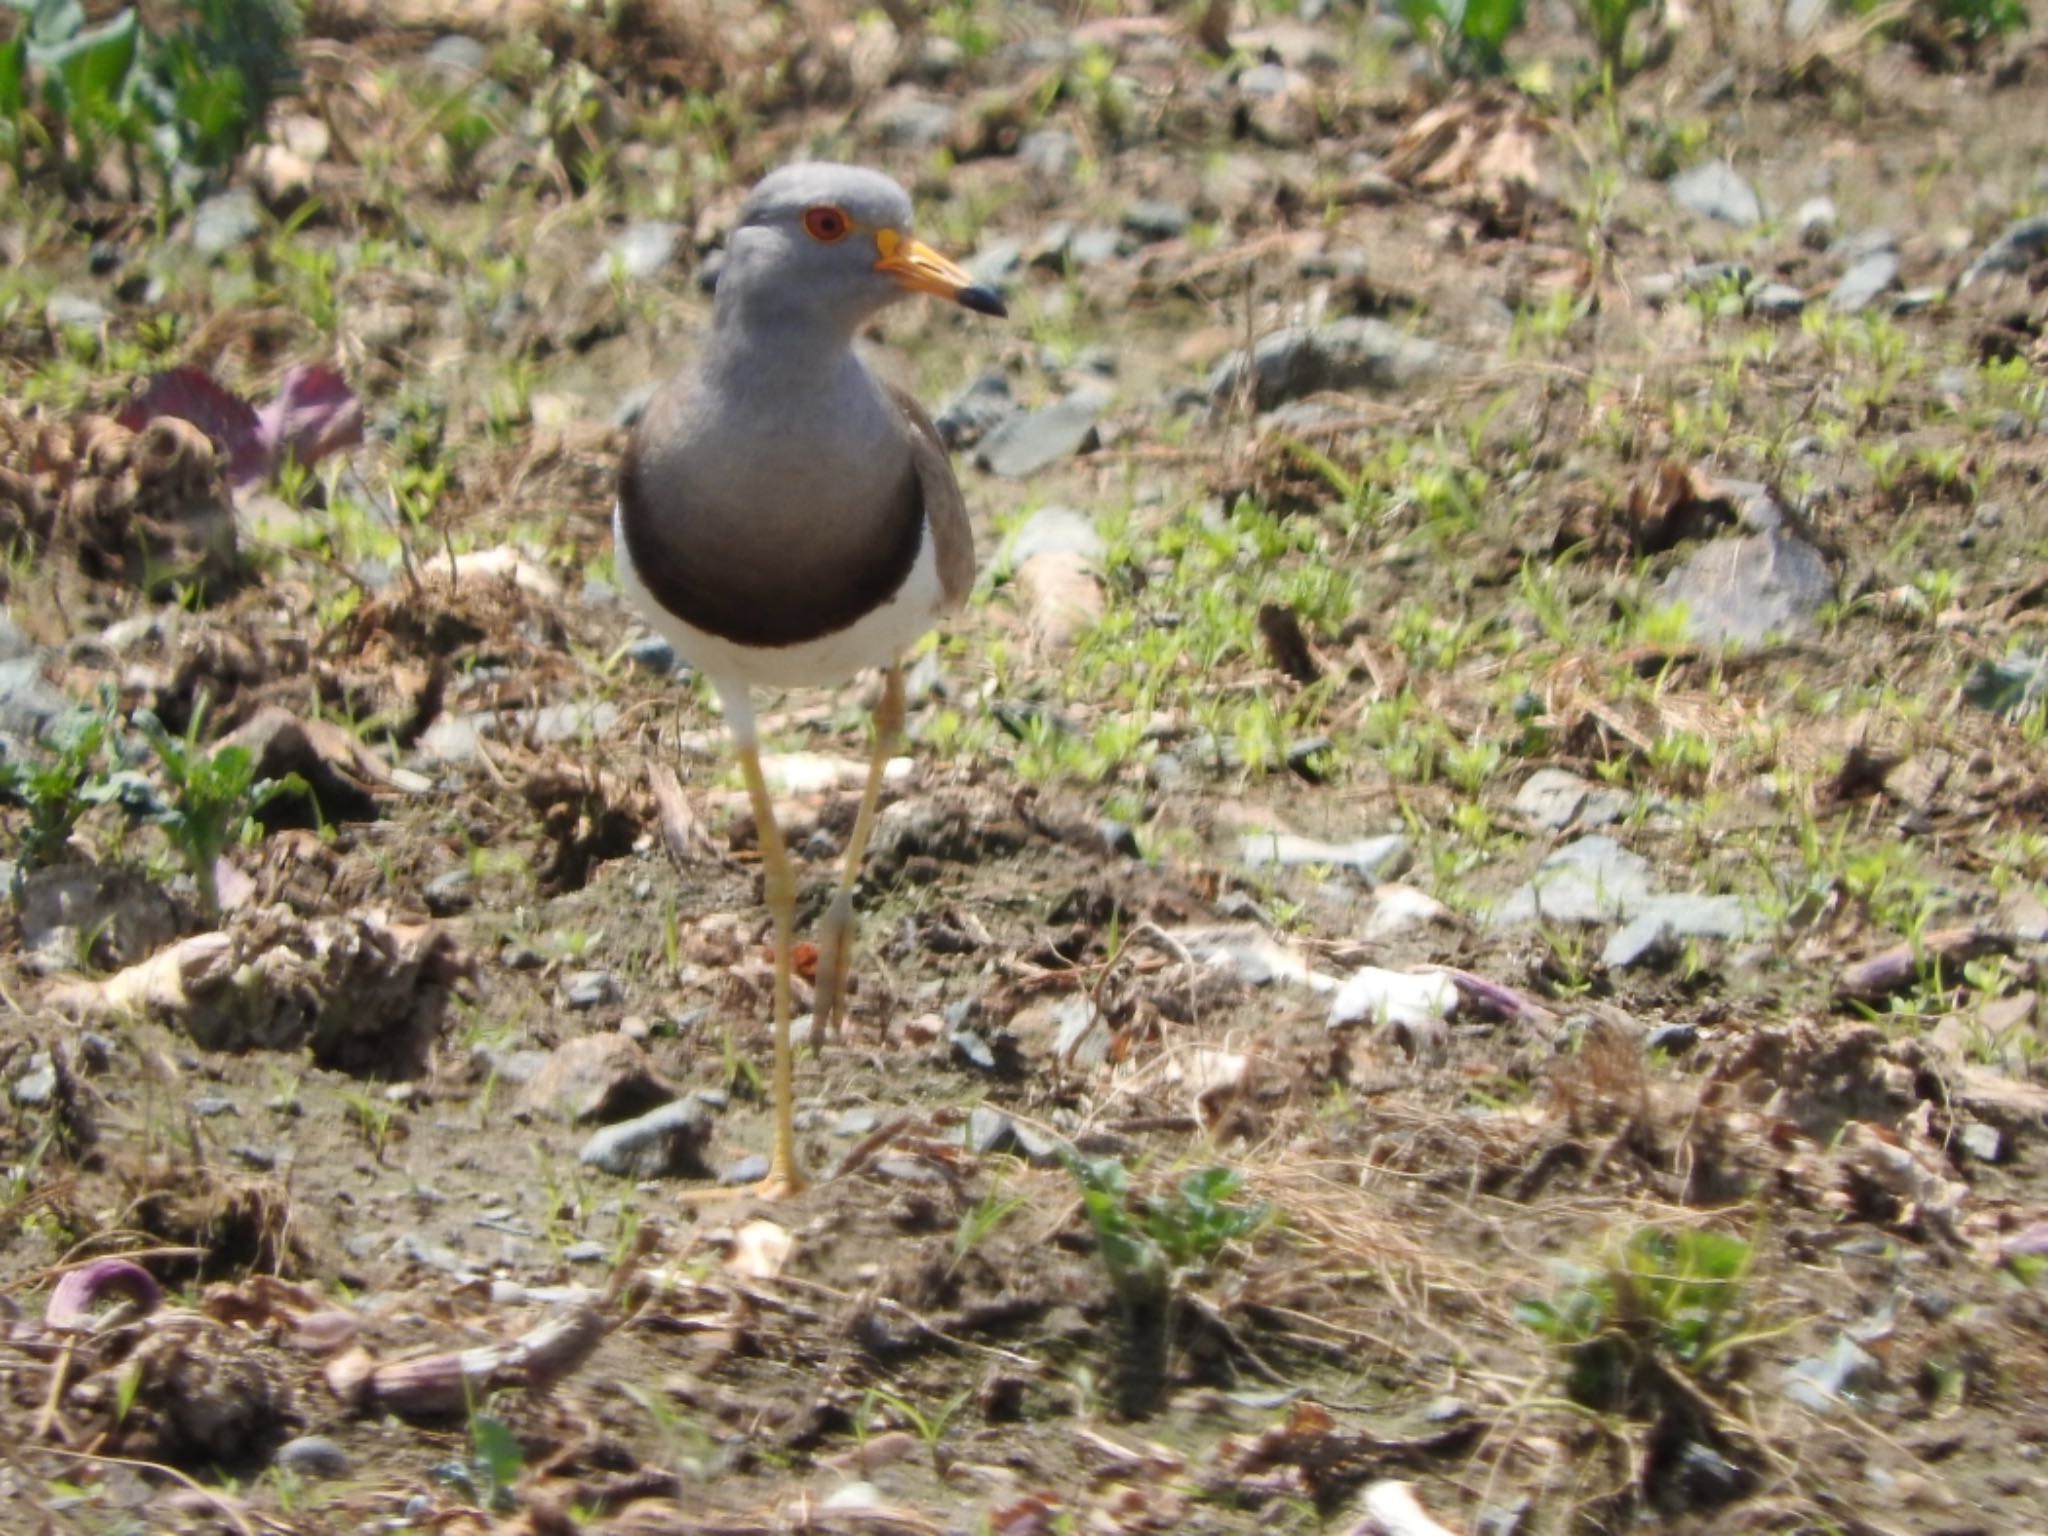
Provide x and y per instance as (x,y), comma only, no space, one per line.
(784,518)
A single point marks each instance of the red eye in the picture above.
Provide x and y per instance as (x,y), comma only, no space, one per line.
(827,224)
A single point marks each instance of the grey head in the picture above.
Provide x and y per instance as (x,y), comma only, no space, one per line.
(824,247)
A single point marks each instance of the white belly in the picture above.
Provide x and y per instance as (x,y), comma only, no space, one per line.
(873,640)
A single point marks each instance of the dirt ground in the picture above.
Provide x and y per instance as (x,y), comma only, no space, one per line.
(1468,918)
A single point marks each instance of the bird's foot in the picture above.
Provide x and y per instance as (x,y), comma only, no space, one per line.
(835,958)
(779,1185)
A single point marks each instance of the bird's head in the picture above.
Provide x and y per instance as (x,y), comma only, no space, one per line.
(833,242)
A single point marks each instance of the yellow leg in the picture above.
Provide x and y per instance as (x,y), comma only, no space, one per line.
(835,935)
(779,885)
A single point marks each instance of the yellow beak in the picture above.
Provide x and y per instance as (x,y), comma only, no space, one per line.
(916,266)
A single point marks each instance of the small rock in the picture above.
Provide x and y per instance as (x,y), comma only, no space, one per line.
(910,119)
(1822,1382)
(858,1121)
(1153,219)
(590,989)
(1093,246)
(27,701)
(449,892)
(976,411)
(1870,276)
(1645,940)
(1672,1039)
(1815,222)
(2020,245)
(652,653)
(36,1087)
(312,1456)
(642,250)
(751,1169)
(1399,910)
(74,311)
(1371,857)
(212,1106)
(590,1078)
(226,220)
(457,56)
(1714,191)
(1345,354)
(1984,1143)
(992,1133)
(1591,880)
(1024,445)
(1049,153)
(1054,530)
(586,1252)
(666,1142)
(1376,996)
(998,264)
(1555,798)
(1777,301)
(1745,589)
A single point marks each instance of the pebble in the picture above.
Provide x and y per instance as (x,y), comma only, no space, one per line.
(1744,589)
(1372,857)
(1673,1039)
(1556,798)
(1153,219)
(226,220)
(653,653)
(74,311)
(312,1456)
(1399,910)
(992,1133)
(1714,191)
(976,411)
(858,1121)
(211,1106)
(590,989)
(1345,354)
(449,892)
(1777,301)
(1869,276)
(642,250)
(1048,152)
(1024,445)
(751,1169)
(2016,248)
(1054,530)
(910,119)
(586,1252)
(36,1087)
(1816,222)
(668,1141)
(457,55)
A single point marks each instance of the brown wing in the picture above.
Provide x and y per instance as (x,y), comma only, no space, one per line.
(945,509)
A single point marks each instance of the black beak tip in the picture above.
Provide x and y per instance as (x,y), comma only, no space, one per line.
(983,300)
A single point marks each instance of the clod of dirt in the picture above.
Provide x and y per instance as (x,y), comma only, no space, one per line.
(366,995)
(147,509)
(596,1078)
(191,1393)
(111,915)
(340,773)
(587,817)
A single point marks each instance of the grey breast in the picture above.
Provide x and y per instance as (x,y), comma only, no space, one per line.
(767,578)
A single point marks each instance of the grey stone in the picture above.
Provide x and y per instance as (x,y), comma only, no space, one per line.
(590,989)
(998,264)
(457,55)
(1820,1383)
(976,411)
(2017,248)
(1373,857)
(226,220)
(1714,191)
(907,118)
(122,915)
(858,1121)
(27,701)
(642,250)
(1741,590)
(74,311)
(1083,1037)
(1048,152)
(1815,222)
(1984,1143)
(589,1251)
(1346,354)
(1870,276)
(991,1133)
(1399,910)
(36,1087)
(652,653)
(1705,274)
(211,1106)
(1094,245)
(312,1456)
(1592,880)
(1672,1039)
(1054,530)
(1914,301)
(1556,798)
(1777,301)
(751,1169)
(1153,219)
(1644,940)
(1023,445)
(664,1142)
(449,892)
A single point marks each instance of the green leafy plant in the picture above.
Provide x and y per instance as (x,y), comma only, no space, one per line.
(1466,37)
(1607,21)
(191,97)
(1666,1301)
(57,790)
(214,799)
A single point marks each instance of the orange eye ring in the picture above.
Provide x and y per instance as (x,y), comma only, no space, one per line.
(826,224)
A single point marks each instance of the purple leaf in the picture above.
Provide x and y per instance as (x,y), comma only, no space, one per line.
(315,414)
(194,395)
(72,1301)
